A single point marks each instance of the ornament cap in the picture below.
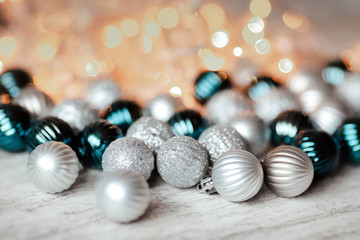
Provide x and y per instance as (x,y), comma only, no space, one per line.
(206,186)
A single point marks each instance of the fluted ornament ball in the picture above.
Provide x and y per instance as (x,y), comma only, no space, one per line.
(76,112)
(102,93)
(130,154)
(14,80)
(237,175)
(14,122)
(150,130)
(321,149)
(219,139)
(53,167)
(260,86)
(182,162)
(94,139)
(163,107)
(122,196)
(288,171)
(35,101)
(48,129)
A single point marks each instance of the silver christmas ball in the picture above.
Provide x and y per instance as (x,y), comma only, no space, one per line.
(35,101)
(305,80)
(76,112)
(224,104)
(219,139)
(288,171)
(237,175)
(182,162)
(310,99)
(278,100)
(128,153)
(253,129)
(162,107)
(103,93)
(123,196)
(348,91)
(53,167)
(150,130)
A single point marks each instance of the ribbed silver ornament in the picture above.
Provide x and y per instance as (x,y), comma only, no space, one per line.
(237,175)
(288,171)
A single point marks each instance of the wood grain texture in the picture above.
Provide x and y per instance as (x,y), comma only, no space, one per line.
(329,209)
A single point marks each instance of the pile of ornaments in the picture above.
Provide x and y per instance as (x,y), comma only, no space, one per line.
(308,124)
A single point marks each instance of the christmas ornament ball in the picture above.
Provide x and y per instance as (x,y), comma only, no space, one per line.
(260,86)
(102,93)
(14,80)
(163,106)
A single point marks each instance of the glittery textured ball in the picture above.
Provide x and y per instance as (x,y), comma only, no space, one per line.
(182,162)
(276,101)
(188,123)
(348,91)
(123,113)
(35,101)
(14,80)
(14,122)
(260,86)
(347,137)
(334,72)
(223,105)
(321,149)
(162,107)
(94,139)
(285,127)
(53,167)
(48,129)
(102,93)
(219,139)
(253,129)
(76,112)
(153,132)
(288,171)
(122,196)
(237,175)
(131,154)
(208,83)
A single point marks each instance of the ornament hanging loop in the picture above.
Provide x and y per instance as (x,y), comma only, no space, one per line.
(206,186)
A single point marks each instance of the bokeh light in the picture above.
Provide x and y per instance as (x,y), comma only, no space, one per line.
(285,65)
(214,16)
(47,49)
(293,20)
(1,66)
(262,46)
(130,28)
(93,68)
(168,17)
(153,29)
(175,91)
(237,51)
(112,36)
(148,44)
(256,24)
(220,38)
(260,8)
(251,37)
(7,46)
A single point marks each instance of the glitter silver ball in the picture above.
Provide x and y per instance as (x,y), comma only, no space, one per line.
(76,112)
(288,171)
(103,93)
(129,153)
(53,167)
(182,162)
(219,139)
(162,107)
(276,101)
(253,129)
(348,91)
(224,104)
(123,196)
(150,130)
(35,101)
(237,175)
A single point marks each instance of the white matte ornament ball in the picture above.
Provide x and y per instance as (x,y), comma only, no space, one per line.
(288,171)
(130,154)
(103,93)
(53,167)
(237,175)
(123,196)
(163,107)
(182,162)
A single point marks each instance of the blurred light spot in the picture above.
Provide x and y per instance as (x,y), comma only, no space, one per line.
(260,8)
(153,29)
(130,28)
(214,16)
(1,66)
(205,53)
(285,65)
(251,37)
(168,17)
(47,49)
(115,191)
(7,45)
(256,25)
(112,36)
(293,20)
(262,46)
(162,77)
(175,91)
(1,1)
(237,51)
(214,63)
(220,38)
(147,44)
(93,68)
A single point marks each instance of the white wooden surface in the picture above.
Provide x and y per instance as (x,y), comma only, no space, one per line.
(329,209)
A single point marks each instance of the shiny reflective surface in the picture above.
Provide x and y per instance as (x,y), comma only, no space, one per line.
(321,149)
(15,79)
(14,121)
(334,72)
(93,141)
(188,123)
(260,86)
